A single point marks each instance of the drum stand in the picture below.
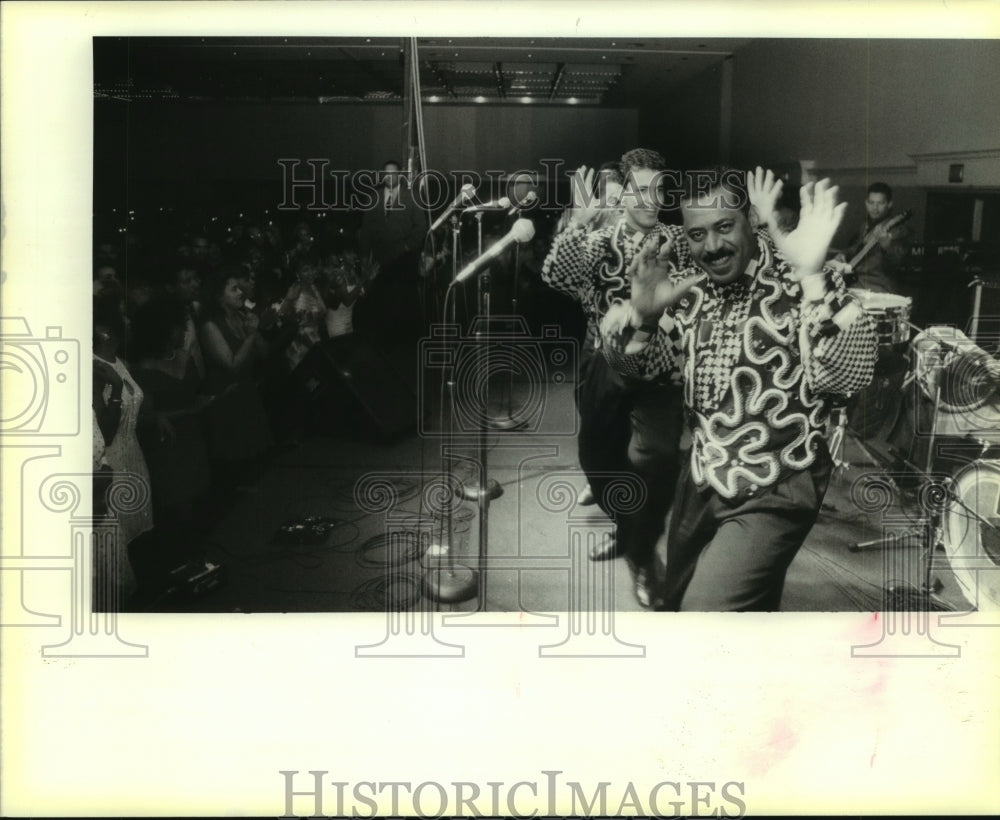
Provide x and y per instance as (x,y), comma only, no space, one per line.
(937,496)
(838,437)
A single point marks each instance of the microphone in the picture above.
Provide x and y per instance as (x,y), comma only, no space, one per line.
(496,204)
(467,192)
(529,200)
(522,231)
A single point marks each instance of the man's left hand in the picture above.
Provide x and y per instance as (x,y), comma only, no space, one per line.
(805,247)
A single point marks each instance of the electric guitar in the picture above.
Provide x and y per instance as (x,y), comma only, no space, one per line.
(870,243)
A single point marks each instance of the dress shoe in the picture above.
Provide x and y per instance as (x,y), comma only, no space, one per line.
(643,587)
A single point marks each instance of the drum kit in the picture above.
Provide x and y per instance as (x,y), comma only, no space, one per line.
(956,384)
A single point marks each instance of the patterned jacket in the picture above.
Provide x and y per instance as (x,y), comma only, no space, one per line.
(760,368)
(591,266)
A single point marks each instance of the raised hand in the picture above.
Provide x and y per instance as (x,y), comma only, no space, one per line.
(649,274)
(585,207)
(765,190)
(805,247)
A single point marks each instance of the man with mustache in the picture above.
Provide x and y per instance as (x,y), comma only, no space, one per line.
(764,336)
(631,426)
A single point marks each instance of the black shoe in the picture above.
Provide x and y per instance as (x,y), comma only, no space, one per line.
(644,587)
(605,550)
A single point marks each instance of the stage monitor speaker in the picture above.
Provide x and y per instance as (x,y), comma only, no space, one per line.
(346,379)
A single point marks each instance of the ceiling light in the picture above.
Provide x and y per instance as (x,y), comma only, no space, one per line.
(572,100)
(526,99)
(435,98)
(480,99)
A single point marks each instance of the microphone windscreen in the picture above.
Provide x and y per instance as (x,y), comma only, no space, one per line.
(523,230)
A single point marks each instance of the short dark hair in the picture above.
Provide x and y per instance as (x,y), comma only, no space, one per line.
(108,313)
(611,172)
(215,286)
(731,181)
(641,158)
(881,188)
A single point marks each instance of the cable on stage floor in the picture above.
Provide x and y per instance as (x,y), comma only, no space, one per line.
(393,550)
(398,592)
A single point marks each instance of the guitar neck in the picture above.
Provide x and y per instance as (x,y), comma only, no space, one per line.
(861,254)
(872,241)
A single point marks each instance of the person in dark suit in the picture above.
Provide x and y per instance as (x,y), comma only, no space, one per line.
(392,233)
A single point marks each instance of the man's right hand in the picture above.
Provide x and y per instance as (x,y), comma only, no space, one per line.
(652,290)
(104,373)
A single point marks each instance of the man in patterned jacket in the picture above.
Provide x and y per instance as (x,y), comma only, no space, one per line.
(763,336)
(625,428)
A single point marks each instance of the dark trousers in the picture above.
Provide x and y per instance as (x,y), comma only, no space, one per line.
(392,312)
(733,556)
(629,429)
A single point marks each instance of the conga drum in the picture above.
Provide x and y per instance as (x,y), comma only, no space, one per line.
(971,534)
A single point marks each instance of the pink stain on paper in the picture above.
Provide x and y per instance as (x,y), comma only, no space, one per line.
(778,745)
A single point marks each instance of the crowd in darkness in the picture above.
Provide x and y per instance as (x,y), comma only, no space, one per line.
(203,339)
(198,341)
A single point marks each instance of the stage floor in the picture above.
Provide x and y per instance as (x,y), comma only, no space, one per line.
(369,512)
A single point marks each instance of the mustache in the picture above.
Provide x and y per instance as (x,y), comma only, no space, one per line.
(715,257)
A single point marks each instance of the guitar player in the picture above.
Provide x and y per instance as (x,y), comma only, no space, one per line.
(878,270)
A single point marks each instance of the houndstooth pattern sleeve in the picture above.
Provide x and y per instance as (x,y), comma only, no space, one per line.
(839,360)
(569,266)
(659,355)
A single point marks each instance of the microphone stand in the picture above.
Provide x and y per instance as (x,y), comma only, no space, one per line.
(508,422)
(472,492)
(449,582)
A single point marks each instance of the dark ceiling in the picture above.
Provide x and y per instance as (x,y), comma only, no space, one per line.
(612,72)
